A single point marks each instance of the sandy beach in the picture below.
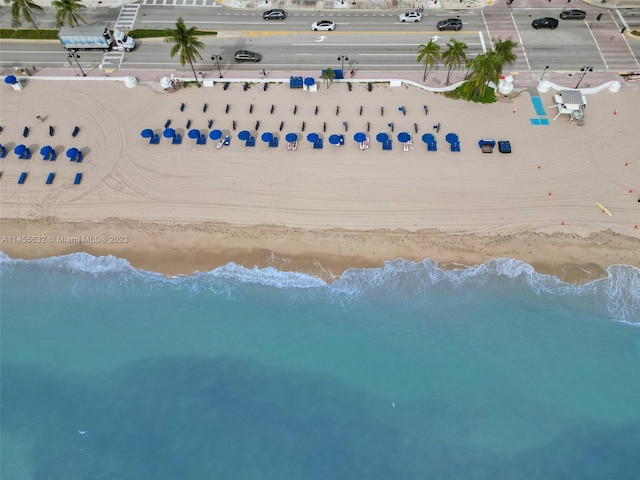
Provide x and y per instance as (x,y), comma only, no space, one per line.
(181,208)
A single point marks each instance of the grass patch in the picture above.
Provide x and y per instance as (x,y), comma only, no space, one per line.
(460,94)
(166,32)
(32,34)
(28,34)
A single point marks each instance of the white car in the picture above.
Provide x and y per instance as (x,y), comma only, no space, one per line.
(410,17)
(323,25)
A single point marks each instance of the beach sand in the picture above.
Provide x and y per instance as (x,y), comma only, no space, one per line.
(177,209)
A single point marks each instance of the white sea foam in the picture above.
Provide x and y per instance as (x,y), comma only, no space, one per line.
(618,295)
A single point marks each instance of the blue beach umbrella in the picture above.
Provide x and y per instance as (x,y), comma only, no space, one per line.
(451,138)
(169,133)
(194,133)
(46,150)
(10,80)
(72,153)
(146,133)
(382,137)
(428,138)
(404,137)
(244,135)
(360,137)
(312,137)
(309,81)
(215,134)
(20,149)
(334,139)
(267,137)
(291,137)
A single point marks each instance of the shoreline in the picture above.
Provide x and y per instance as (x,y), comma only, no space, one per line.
(172,249)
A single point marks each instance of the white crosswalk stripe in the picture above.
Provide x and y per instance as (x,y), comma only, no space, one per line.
(127,16)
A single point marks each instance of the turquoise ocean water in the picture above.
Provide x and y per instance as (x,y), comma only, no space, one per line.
(402,372)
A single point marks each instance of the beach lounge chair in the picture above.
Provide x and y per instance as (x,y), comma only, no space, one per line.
(294,146)
(455,147)
(78,179)
(50,178)
(177,140)
(76,131)
(3,151)
(52,156)
(79,157)
(23,177)
(155,139)
(227,140)
(251,142)
(487,145)
(274,142)
(405,146)
(318,143)
(387,145)
(504,146)
(202,140)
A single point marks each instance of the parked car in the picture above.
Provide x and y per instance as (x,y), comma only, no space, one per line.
(573,15)
(546,22)
(275,14)
(450,24)
(410,17)
(323,25)
(242,56)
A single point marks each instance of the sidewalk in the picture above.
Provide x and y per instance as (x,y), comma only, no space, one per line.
(435,79)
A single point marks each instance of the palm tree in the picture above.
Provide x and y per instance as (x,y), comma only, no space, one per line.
(24,8)
(454,55)
(429,52)
(67,12)
(185,42)
(504,50)
(484,68)
(328,75)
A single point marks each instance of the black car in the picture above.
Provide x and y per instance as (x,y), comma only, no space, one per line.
(573,15)
(247,56)
(275,14)
(546,22)
(450,24)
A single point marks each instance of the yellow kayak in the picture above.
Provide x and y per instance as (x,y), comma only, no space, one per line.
(603,208)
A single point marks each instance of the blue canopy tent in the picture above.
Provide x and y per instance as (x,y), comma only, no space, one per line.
(266,137)
(291,137)
(244,135)
(146,133)
(360,137)
(215,134)
(169,133)
(404,137)
(194,133)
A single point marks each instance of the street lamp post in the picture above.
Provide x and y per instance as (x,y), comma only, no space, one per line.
(544,72)
(75,56)
(584,71)
(217,59)
(342,58)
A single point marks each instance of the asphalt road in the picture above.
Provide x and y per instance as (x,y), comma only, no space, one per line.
(370,41)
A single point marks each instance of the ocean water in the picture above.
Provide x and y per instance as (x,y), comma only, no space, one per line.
(402,372)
